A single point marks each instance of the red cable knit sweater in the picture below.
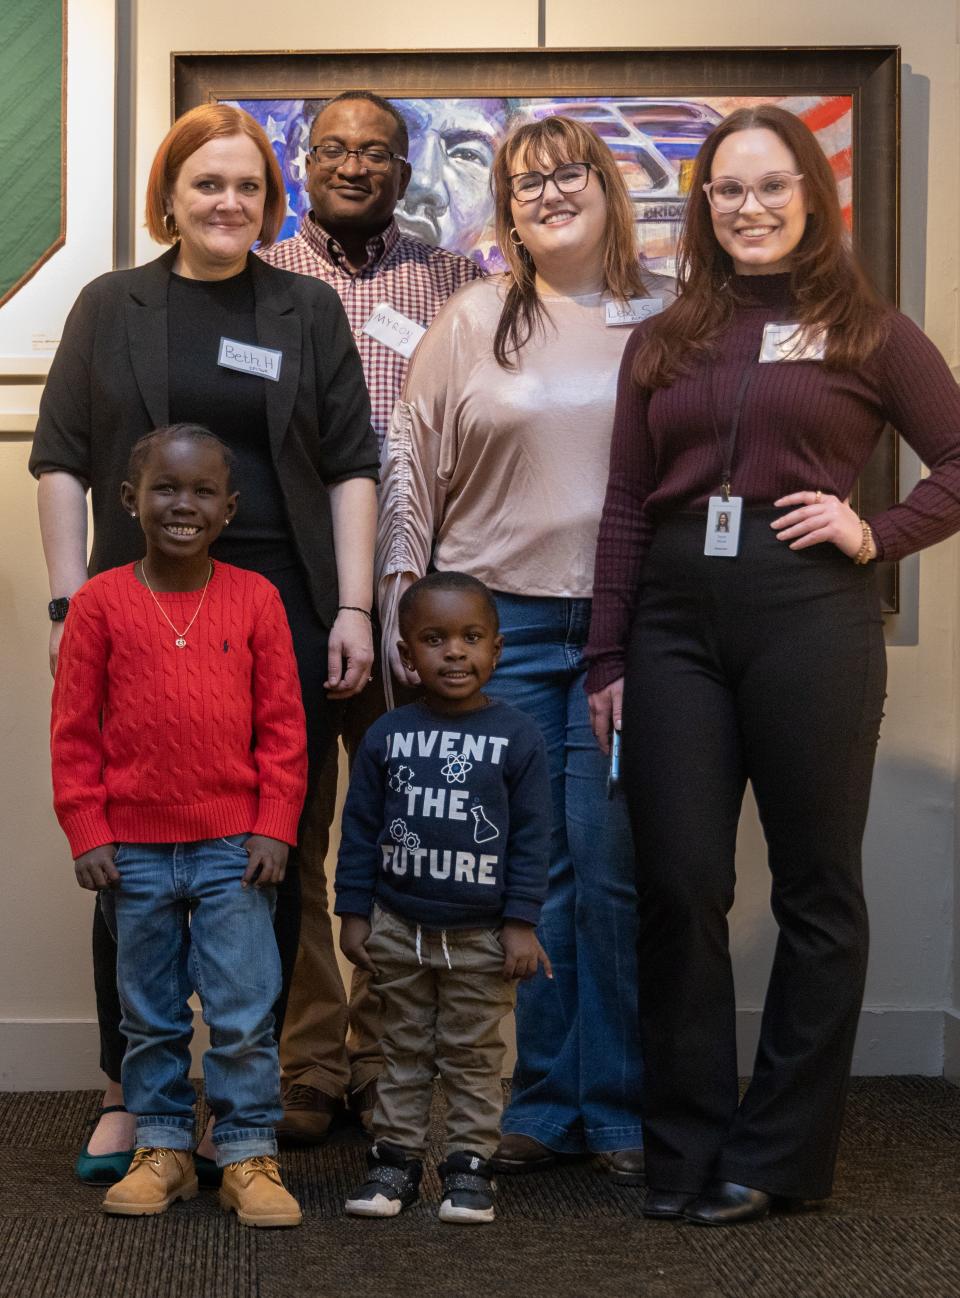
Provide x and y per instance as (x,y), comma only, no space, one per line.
(194,743)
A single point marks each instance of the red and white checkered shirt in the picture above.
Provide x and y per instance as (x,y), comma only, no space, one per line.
(413,277)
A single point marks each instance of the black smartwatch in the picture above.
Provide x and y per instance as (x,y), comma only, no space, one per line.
(57,608)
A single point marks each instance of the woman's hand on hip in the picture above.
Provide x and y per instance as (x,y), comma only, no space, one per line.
(606,707)
(816,517)
(349,654)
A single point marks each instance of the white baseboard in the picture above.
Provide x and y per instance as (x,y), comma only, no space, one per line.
(63,1054)
(951,1045)
(889,1041)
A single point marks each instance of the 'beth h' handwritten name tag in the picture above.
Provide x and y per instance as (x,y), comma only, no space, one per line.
(262,362)
(394,330)
(632,312)
(792,342)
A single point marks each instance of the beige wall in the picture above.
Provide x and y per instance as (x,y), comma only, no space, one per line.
(46,1001)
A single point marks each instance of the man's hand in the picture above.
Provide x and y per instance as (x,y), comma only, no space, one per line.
(522,951)
(95,869)
(354,931)
(269,857)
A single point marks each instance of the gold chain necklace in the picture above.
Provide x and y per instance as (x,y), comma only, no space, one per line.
(181,640)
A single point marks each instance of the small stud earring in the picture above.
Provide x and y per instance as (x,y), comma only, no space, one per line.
(133,513)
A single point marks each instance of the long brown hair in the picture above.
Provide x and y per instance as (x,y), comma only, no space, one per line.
(192,131)
(829,287)
(556,140)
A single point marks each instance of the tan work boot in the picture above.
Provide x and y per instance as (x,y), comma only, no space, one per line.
(156,1178)
(253,1190)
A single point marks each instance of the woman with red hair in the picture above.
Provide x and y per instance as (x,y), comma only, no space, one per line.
(210,334)
(754,650)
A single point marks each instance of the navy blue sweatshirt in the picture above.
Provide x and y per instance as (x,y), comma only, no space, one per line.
(447,819)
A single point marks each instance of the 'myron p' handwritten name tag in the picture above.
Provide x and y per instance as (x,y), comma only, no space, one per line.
(394,330)
(262,362)
(632,312)
(792,342)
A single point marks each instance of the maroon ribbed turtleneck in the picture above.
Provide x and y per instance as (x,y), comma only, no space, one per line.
(802,427)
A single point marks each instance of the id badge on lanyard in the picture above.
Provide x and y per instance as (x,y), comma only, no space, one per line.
(722,539)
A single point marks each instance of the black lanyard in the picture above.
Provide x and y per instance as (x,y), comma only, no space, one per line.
(727,449)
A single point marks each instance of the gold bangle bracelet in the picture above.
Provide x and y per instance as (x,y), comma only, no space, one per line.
(863,555)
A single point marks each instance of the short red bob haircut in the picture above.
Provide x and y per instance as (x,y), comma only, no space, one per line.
(191,132)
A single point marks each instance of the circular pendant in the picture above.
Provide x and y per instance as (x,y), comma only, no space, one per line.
(180,642)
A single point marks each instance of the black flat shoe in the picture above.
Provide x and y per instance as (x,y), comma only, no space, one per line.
(666,1205)
(725,1203)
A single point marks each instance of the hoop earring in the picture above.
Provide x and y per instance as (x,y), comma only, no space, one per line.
(517,243)
(170,225)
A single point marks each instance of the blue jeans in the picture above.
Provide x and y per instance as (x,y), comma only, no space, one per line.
(579,1071)
(182,924)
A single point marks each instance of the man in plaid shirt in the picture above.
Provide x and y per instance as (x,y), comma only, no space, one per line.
(356,173)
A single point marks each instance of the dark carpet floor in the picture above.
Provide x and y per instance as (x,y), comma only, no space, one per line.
(892,1228)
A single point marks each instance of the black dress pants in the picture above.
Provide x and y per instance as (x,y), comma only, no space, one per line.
(310,647)
(768,667)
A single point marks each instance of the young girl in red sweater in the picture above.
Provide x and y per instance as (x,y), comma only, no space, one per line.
(179,772)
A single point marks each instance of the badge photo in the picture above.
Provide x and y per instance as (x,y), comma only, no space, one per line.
(723,527)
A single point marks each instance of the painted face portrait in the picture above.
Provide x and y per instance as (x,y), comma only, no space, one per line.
(452,143)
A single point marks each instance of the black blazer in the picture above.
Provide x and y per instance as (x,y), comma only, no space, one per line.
(108,386)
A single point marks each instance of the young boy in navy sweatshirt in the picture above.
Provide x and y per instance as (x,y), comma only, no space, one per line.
(441,875)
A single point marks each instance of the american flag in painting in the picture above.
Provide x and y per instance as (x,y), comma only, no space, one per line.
(831,120)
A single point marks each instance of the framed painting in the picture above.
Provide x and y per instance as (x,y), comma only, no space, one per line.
(653,108)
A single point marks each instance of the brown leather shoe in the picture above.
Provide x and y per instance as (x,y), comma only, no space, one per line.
(253,1190)
(307,1114)
(156,1178)
(517,1153)
(625,1166)
(362,1102)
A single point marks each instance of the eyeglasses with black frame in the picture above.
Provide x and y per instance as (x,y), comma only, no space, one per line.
(374,158)
(727,195)
(569,178)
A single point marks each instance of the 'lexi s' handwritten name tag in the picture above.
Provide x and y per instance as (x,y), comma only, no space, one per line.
(632,312)
(261,362)
(792,342)
(394,330)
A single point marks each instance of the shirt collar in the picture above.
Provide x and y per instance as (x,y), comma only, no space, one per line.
(379,247)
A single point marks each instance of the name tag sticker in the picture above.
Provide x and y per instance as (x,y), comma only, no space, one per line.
(723,527)
(632,312)
(246,358)
(394,330)
(792,342)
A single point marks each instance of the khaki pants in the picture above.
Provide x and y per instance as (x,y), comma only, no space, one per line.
(442,1008)
(328,1042)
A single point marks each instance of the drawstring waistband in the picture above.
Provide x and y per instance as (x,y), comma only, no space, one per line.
(443,943)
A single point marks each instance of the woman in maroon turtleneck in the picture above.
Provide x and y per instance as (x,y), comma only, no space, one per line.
(754,651)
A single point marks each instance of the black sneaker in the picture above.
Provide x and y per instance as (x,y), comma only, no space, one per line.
(468,1189)
(392,1184)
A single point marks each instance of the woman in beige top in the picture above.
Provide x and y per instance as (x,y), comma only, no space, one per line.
(497,465)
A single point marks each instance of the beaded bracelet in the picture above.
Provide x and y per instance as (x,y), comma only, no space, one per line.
(863,555)
(352,608)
